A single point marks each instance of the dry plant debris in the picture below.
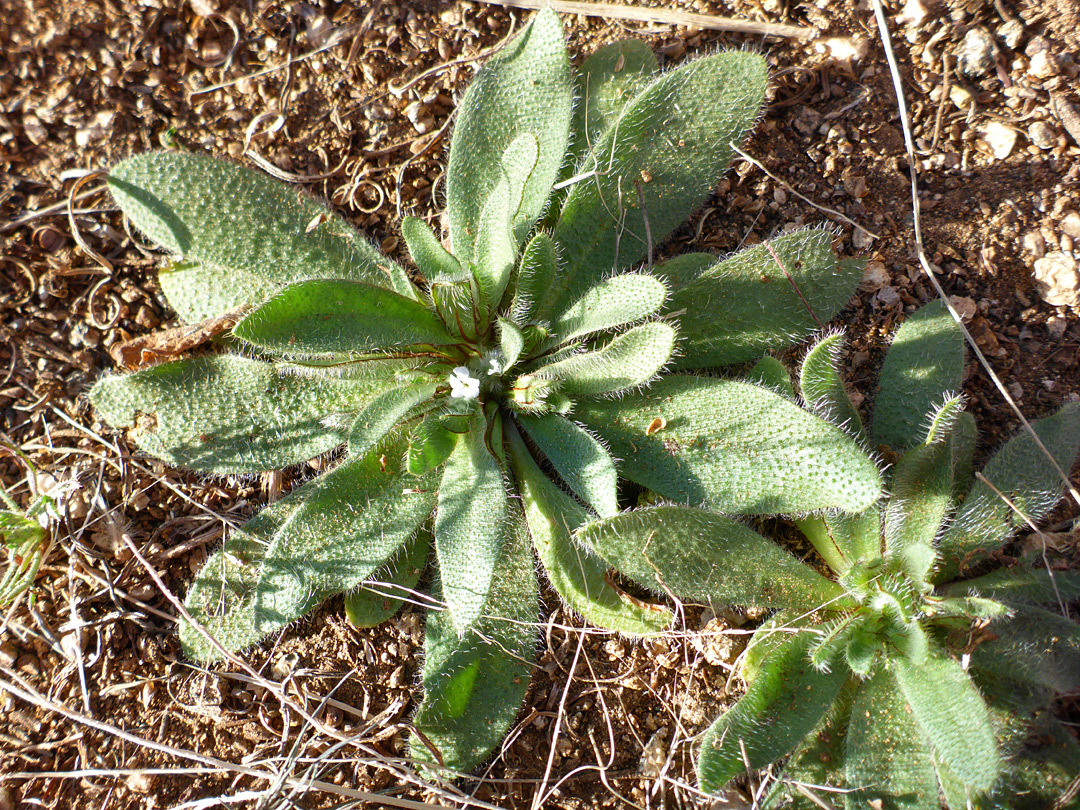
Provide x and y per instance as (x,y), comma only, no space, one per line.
(86,84)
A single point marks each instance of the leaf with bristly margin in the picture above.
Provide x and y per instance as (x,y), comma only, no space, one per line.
(430,445)
(738,448)
(735,309)
(952,716)
(823,389)
(1023,474)
(1020,585)
(770,373)
(627,361)
(474,684)
(925,363)
(527,87)
(657,162)
(889,763)
(844,539)
(496,245)
(1034,646)
(699,555)
(575,573)
(349,524)
(614,302)
(226,414)
(511,344)
(579,459)
(470,526)
(382,594)
(785,702)
(1041,772)
(606,82)
(456,299)
(922,489)
(535,275)
(430,256)
(383,412)
(965,437)
(241,233)
(329,317)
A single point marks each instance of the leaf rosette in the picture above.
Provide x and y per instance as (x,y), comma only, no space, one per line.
(492,396)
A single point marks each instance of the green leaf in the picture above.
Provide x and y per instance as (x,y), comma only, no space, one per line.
(735,447)
(844,540)
(1021,473)
(735,309)
(1020,585)
(823,389)
(579,459)
(770,373)
(430,445)
(965,436)
(606,82)
(575,573)
(1033,646)
(536,274)
(330,318)
(239,229)
(226,414)
(952,716)
(456,299)
(470,527)
(526,88)
(430,256)
(785,702)
(349,524)
(614,302)
(924,364)
(627,361)
(381,595)
(474,684)
(889,762)
(383,412)
(669,145)
(696,554)
(511,343)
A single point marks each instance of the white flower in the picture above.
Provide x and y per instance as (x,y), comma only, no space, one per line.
(463,385)
(494,369)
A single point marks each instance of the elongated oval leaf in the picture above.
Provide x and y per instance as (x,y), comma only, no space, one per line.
(785,702)
(575,573)
(822,387)
(614,302)
(769,372)
(1033,646)
(952,717)
(527,87)
(535,275)
(735,447)
(430,445)
(430,256)
(734,309)
(924,363)
(511,344)
(242,229)
(474,684)
(889,763)
(1020,585)
(668,148)
(383,412)
(844,540)
(630,360)
(226,414)
(333,317)
(1021,473)
(470,527)
(578,458)
(348,525)
(700,555)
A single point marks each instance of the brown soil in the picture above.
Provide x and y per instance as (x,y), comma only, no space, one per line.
(83,84)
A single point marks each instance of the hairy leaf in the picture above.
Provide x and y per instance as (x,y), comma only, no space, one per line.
(1020,585)
(844,540)
(535,275)
(822,388)
(614,302)
(382,413)
(382,594)
(772,374)
(1033,646)
(765,456)
(629,360)
(579,459)
(426,250)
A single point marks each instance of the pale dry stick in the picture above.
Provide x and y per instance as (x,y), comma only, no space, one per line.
(663,16)
(1034,528)
(93,254)
(61,207)
(18,687)
(909,144)
(292,177)
(542,793)
(830,211)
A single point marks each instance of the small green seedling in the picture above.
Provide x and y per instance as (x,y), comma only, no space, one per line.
(873,681)
(491,397)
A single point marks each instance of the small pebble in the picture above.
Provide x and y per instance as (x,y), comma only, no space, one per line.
(1033,243)
(1056,326)
(874,277)
(1070,224)
(975,57)
(961,96)
(1042,135)
(1044,65)
(1057,279)
(1000,138)
(1011,33)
